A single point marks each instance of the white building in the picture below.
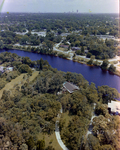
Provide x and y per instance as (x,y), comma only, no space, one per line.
(114,107)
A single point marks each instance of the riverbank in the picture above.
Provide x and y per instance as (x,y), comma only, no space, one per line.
(91,74)
(81,61)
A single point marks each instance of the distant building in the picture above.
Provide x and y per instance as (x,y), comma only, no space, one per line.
(9,68)
(64,46)
(114,107)
(76,48)
(86,51)
(65,34)
(105,36)
(3,69)
(69,87)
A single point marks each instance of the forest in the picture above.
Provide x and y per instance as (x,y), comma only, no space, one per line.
(32,107)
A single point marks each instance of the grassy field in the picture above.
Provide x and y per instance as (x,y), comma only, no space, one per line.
(50,140)
(34,75)
(31,78)
(19,80)
(11,84)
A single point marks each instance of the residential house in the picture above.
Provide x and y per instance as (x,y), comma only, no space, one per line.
(76,48)
(114,107)
(2,69)
(86,51)
(67,86)
(64,46)
(8,69)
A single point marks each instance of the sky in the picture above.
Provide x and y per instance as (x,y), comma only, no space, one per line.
(44,6)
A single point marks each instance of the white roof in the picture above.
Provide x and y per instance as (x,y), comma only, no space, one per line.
(115,106)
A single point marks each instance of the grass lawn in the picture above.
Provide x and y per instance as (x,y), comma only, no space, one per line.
(19,80)
(34,75)
(11,84)
(50,140)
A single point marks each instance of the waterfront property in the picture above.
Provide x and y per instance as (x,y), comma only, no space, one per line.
(76,48)
(114,107)
(67,86)
(3,69)
(64,46)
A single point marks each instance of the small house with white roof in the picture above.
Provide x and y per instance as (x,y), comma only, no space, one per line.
(114,107)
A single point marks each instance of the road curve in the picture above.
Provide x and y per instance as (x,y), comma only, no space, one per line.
(57,133)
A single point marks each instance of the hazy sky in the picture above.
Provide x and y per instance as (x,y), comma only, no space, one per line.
(95,6)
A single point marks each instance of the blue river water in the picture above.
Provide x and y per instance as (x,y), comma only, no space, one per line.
(91,74)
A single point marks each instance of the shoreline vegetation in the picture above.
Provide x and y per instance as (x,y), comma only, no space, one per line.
(82,61)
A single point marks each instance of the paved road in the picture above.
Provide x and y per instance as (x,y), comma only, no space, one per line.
(70,53)
(57,133)
(55,48)
(90,126)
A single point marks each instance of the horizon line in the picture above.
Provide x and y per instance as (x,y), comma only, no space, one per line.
(65,12)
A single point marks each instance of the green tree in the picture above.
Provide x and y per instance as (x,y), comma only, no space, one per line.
(104,65)
(112,68)
(92,142)
(40,145)
(107,93)
(41,64)
(49,148)
(30,143)
(59,31)
(82,49)
(24,69)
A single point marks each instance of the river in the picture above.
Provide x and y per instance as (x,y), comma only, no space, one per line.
(91,74)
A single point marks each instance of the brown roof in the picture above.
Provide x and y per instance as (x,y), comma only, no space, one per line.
(70,87)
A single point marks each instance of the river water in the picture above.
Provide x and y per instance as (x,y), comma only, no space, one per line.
(91,74)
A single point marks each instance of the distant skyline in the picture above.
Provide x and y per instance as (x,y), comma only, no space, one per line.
(44,6)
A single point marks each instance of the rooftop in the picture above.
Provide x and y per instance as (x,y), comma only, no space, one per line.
(70,87)
(115,106)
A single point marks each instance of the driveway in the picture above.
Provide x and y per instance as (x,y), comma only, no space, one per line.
(57,132)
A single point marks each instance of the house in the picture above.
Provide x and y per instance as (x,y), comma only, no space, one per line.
(9,68)
(114,107)
(65,34)
(2,69)
(67,86)
(86,51)
(64,46)
(76,48)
